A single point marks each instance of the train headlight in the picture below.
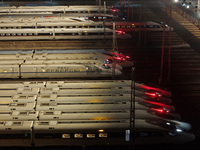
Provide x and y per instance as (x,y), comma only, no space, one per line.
(179,130)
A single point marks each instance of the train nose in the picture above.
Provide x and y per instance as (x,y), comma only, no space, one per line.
(116,66)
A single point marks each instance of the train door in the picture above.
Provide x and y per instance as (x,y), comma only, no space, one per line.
(52,34)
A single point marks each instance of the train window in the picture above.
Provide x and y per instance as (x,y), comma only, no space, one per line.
(23,113)
(128,26)
(64,136)
(45,96)
(43,123)
(17,123)
(8,34)
(123,26)
(1,123)
(48,113)
(19,105)
(78,135)
(2,34)
(44,104)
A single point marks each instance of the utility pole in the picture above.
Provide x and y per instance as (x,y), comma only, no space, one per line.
(169,49)
(163,48)
(99,7)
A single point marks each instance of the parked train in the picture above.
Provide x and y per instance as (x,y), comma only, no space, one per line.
(142,26)
(58,9)
(91,132)
(57,71)
(61,34)
(52,11)
(120,26)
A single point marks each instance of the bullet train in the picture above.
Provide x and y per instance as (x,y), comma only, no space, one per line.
(57,71)
(61,34)
(57,9)
(142,26)
(60,63)
(91,132)
(120,26)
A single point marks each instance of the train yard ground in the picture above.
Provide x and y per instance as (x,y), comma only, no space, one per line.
(145,48)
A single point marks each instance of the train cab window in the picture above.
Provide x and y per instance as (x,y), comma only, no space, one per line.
(156,26)
(149,134)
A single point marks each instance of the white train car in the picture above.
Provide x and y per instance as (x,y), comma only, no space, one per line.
(84,115)
(82,106)
(55,9)
(53,23)
(60,34)
(99,54)
(111,115)
(46,98)
(14,91)
(58,71)
(23,84)
(95,98)
(88,83)
(88,61)
(67,71)
(19,115)
(142,26)
(17,106)
(94,90)
(18,98)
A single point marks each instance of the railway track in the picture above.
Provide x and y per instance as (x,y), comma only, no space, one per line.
(63,44)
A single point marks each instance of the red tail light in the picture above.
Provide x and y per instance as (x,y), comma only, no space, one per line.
(120,32)
(160,110)
(153,94)
(114,10)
